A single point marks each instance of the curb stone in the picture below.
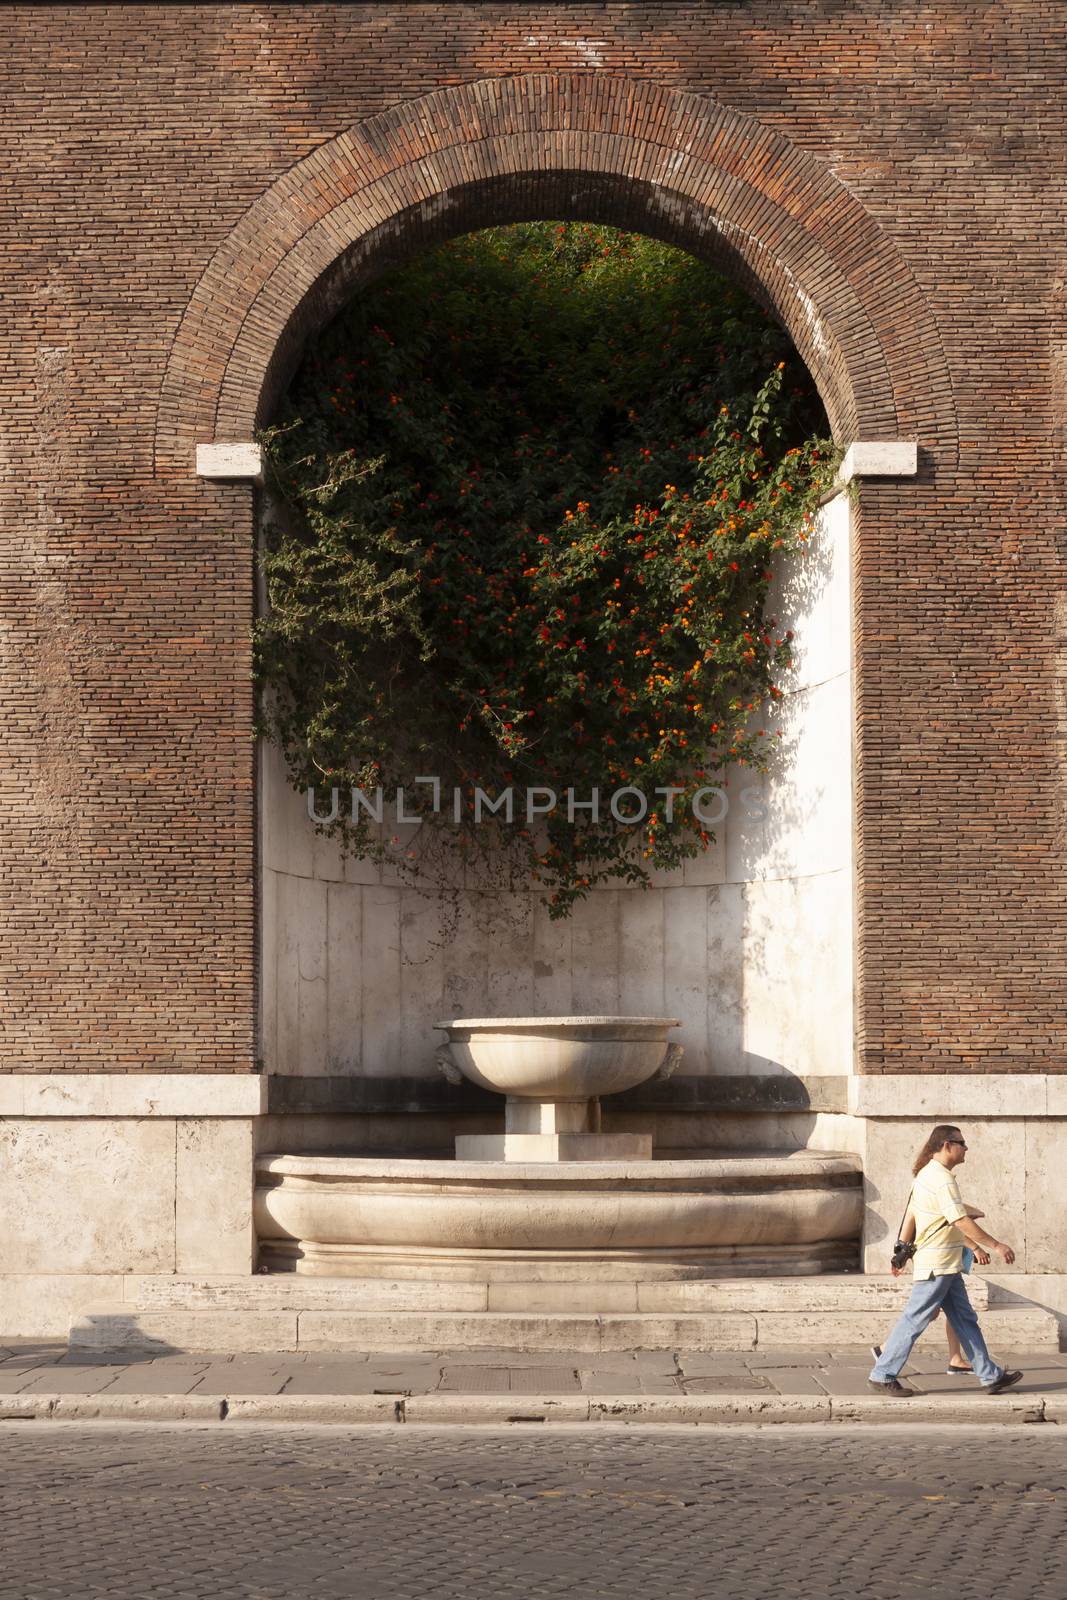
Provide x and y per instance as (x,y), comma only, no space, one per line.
(711,1408)
(938,1410)
(297,1408)
(445,1409)
(136,1408)
(517,1408)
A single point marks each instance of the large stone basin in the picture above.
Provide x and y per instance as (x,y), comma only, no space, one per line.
(558,1058)
(342,1216)
(553,1071)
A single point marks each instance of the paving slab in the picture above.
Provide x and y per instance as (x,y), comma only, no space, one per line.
(607,1383)
(243,1376)
(729,1383)
(72,1380)
(408,1373)
(518,1358)
(846,1381)
(358,1378)
(711,1363)
(153,1380)
(21,1378)
(474,1380)
(791,1380)
(792,1355)
(544,1380)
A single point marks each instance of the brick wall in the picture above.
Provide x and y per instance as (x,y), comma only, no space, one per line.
(189,187)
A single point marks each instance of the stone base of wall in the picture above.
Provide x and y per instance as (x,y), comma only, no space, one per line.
(104,1178)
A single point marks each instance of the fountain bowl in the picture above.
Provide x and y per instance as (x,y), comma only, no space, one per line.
(557,1059)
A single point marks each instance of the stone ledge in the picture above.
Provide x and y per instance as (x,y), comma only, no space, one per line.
(395,1095)
(944,1096)
(229,462)
(879,458)
(133,1094)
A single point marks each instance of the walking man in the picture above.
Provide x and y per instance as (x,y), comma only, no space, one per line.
(942,1230)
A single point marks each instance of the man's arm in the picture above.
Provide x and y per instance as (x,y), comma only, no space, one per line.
(984,1241)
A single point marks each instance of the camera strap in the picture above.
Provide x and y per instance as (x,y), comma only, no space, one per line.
(904,1213)
(942,1224)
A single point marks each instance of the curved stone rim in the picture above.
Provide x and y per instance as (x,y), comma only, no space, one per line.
(327,1168)
(497,1023)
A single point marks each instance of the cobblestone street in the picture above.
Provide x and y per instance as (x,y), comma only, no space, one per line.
(889,1513)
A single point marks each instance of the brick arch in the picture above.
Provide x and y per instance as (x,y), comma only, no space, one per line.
(601,148)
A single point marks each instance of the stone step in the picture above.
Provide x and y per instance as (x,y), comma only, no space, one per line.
(294,1293)
(243,1330)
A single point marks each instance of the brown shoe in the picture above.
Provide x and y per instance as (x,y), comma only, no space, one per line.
(893,1387)
(1005,1381)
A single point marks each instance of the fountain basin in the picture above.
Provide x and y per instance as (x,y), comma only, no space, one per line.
(338,1216)
(553,1071)
(558,1058)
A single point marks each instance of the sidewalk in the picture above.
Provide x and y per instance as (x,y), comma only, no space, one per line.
(43,1381)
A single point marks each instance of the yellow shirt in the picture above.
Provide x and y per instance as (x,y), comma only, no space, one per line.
(935,1202)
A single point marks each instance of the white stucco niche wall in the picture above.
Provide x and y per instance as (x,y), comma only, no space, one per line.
(750,945)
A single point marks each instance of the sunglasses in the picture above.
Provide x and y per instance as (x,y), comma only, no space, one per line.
(961,1142)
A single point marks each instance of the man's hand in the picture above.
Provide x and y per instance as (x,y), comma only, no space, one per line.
(981,1258)
(1005,1252)
(896,1271)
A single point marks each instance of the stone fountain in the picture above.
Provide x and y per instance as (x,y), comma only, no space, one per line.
(553,1197)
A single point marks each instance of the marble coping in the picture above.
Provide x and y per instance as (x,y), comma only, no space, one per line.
(956,1095)
(396,1095)
(132,1094)
(191,1094)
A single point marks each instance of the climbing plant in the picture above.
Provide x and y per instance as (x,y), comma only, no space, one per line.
(528,497)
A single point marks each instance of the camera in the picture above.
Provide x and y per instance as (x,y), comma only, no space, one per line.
(902,1254)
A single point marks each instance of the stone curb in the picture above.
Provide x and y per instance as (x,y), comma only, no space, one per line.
(111,1408)
(438,1410)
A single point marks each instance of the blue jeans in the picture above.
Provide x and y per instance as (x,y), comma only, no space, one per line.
(928,1297)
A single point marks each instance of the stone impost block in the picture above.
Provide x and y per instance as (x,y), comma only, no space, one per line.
(879,458)
(230,461)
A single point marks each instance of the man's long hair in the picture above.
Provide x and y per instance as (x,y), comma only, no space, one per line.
(940,1135)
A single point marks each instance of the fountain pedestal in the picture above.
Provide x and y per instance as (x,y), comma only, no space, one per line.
(553,1130)
(553,1071)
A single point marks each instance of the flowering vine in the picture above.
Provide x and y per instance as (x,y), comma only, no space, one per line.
(530,495)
